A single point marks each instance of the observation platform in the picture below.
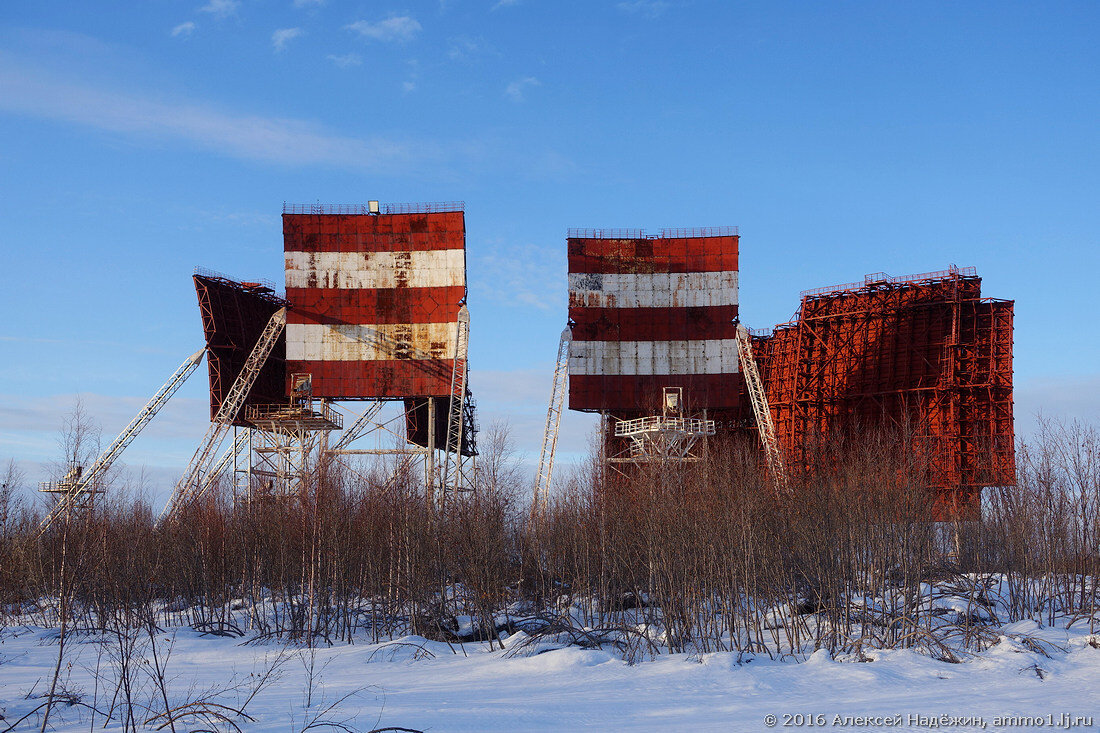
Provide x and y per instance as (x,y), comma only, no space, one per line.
(661,437)
(281,418)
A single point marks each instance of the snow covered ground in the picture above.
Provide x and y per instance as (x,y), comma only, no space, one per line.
(425,685)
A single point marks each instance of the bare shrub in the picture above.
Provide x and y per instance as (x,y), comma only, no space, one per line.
(694,558)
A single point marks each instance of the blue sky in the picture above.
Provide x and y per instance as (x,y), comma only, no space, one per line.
(138,140)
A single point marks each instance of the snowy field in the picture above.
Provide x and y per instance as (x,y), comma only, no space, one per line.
(1034,678)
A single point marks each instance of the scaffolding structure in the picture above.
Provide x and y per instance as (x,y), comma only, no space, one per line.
(924,353)
(456,475)
(670,437)
(286,442)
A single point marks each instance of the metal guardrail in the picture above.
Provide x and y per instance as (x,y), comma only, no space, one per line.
(693,232)
(881,277)
(207,272)
(673,233)
(428,207)
(695,426)
(279,411)
(605,234)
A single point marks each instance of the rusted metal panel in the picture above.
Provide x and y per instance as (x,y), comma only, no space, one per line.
(641,394)
(651,312)
(234,315)
(375,301)
(376,270)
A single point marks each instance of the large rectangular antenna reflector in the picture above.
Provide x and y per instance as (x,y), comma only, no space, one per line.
(375,300)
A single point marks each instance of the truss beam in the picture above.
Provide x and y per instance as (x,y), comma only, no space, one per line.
(454,477)
(764,423)
(553,422)
(77,487)
(191,486)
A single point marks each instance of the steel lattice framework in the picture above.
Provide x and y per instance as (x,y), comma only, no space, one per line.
(78,487)
(925,353)
(234,315)
(193,485)
(545,470)
(455,477)
(765,425)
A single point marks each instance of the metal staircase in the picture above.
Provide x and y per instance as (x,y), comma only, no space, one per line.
(759,399)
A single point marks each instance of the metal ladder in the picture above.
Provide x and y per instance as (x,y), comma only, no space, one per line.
(553,422)
(759,399)
(453,478)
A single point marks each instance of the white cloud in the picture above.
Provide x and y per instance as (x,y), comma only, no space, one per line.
(1057,397)
(30,427)
(395,28)
(409,86)
(184,29)
(524,274)
(464,48)
(504,4)
(308,3)
(346,60)
(645,8)
(221,8)
(280,140)
(516,88)
(520,397)
(282,36)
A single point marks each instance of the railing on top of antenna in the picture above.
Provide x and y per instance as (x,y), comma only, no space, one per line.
(206,272)
(881,277)
(428,207)
(605,234)
(681,233)
(941,275)
(267,412)
(693,232)
(655,423)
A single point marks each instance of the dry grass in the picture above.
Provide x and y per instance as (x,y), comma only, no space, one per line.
(702,559)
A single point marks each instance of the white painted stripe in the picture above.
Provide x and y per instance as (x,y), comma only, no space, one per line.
(351,342)
(368,270)
(652,290)
(634,358)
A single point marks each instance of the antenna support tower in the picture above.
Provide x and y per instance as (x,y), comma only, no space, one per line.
(78,488)
(669,436)
(553,422)
(764,423)
(283,439)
